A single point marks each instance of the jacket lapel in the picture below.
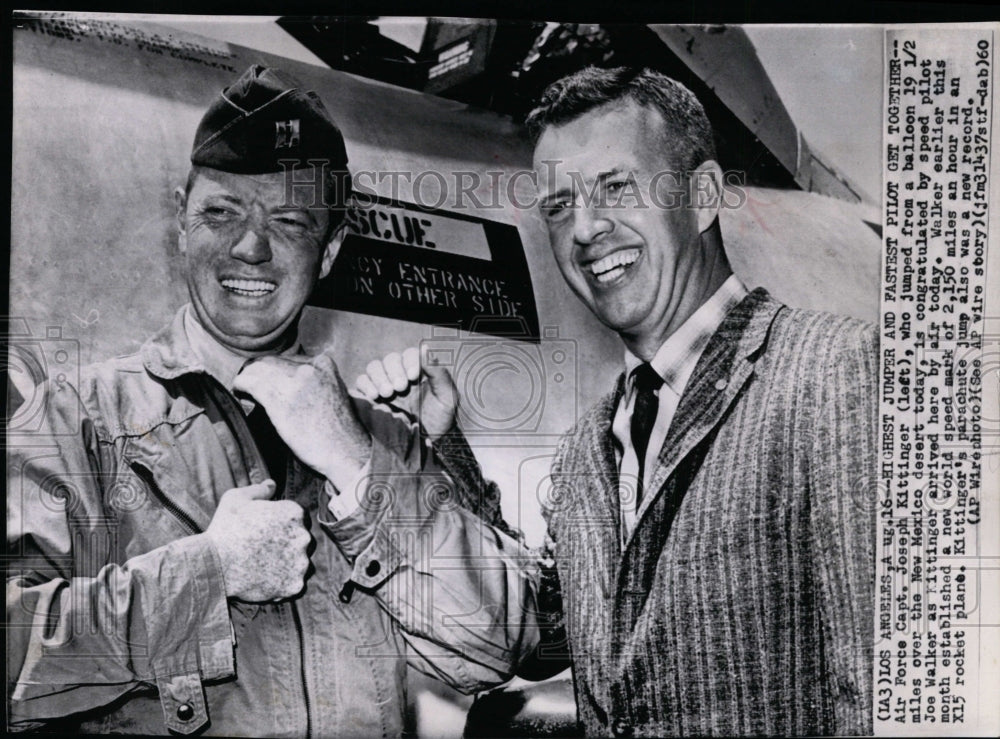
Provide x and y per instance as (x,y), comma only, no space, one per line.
(723,371)
(602,445)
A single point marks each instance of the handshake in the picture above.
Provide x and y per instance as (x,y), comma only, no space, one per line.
(263,544)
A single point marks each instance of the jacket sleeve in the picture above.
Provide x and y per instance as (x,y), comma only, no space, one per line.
(551,654)
(462,591)
(84,627)
(843,505)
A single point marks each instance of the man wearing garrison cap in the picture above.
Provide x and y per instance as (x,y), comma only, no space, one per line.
(225,540)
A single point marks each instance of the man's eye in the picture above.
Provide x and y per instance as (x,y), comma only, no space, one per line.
(556,210)
(616,187)
(291,223)
(217,214)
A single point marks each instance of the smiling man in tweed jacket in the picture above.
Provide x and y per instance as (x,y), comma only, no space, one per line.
(722,581)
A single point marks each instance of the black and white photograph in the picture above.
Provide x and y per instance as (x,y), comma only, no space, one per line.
(377,376)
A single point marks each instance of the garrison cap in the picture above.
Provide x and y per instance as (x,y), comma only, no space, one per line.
(263,118)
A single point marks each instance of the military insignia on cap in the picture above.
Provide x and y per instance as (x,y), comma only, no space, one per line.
(264,122)
(286,134)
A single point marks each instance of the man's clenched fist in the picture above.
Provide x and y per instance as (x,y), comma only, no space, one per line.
(262,544)
(388,379)
(308,405)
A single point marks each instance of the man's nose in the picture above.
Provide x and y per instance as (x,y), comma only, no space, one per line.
(590,224)
(253,247)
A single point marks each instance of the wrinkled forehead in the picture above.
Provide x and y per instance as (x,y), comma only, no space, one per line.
(621,135)
(301,187)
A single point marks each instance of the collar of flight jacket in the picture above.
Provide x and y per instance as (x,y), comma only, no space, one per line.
(168,354)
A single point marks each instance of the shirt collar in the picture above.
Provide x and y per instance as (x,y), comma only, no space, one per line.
(219,361)
(677,357)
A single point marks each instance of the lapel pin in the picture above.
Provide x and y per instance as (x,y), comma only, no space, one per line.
(721,384)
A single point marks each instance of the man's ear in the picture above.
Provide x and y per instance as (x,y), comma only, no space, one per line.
(332,249)
(180,201)
(706,193)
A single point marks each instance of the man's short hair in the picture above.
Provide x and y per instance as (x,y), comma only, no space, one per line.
(687,132)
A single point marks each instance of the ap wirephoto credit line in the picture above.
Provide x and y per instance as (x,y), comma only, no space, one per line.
(936,537)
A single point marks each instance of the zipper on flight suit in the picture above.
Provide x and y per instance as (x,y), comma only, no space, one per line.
(146,475)
(248,447)
(302,666)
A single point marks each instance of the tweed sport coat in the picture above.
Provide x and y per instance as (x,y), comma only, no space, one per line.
(743,600)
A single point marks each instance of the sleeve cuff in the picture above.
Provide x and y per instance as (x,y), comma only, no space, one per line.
(346,505)
(184,606)
(386,484)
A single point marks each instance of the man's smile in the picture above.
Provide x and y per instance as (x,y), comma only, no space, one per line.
(610,268)
(248,288)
